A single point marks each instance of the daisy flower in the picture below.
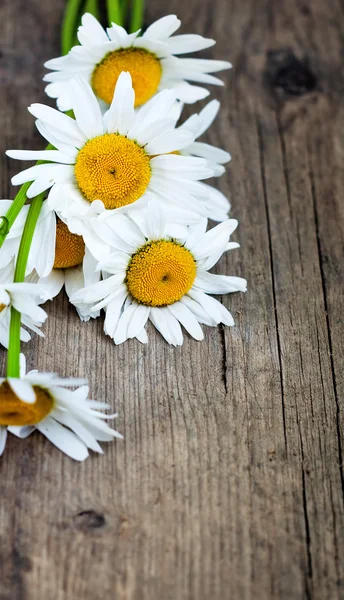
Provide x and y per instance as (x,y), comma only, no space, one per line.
(151,275)
(25,298)
(149,58)
(113,160)
(67,418)
(65,261)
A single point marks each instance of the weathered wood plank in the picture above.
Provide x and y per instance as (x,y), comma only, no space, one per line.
(228,483)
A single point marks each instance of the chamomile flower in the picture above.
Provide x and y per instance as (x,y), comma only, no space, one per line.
(25,298)
(57,256)
(113,160)
(150,59)
(67,418)
(151,275)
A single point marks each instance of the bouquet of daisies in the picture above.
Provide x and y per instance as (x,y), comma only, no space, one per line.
(115,210)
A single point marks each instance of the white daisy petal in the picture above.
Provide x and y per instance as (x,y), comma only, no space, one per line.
(118,295)
(63,439)
(26,305)
(167,325)
(220,284)
(163,28)
(189,94)
(93,29)
(58,121)
(53,284)
(113,313)
(96,291)
(3,438)
(41,184)
(5,297)
(121,112)
(183,44)
(24,335)
(46,175)
(121,334)
(50,155)
(25,297)
(86,109)
(74,280)
(57,139)
(119,35)
(142,336)
(138,320)
(212,307)
(44,237)
(214,238)
(80,431)
(198,311)
(193,168)
(156,109)
(126,229)
(22,364)
(208,115)
(216,155)
(202,78)
(22,390)
(152,130)
(187,319)
(216,201)
(117,262)
(201,65)
(22,432)
(173,191)
(231,246)
(151,222)
(169,142)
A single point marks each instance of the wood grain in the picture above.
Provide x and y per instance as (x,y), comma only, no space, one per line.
(229,483)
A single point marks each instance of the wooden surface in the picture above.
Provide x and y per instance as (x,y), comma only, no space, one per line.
(229,483)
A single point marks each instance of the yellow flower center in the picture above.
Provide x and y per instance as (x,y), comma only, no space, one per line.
(160,273)
(144,68)
(69,248)
(14,411)
(2,307)
(113,169)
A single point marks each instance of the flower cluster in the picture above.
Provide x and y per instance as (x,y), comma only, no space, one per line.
(123,214)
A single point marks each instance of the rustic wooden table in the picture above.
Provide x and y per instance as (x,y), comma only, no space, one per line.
(229,482)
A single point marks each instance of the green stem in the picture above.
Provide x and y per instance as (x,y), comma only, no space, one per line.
(13,361)
(136,20)
(13,354)
(92,7)
(114,12)
(69,25)
(16,206)
(125,6)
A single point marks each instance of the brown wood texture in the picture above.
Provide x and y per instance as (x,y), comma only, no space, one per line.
(229,483)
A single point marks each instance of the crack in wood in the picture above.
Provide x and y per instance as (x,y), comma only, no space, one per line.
(266,204)
(324,291)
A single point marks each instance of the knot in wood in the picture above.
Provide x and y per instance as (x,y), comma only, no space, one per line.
(288,75)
